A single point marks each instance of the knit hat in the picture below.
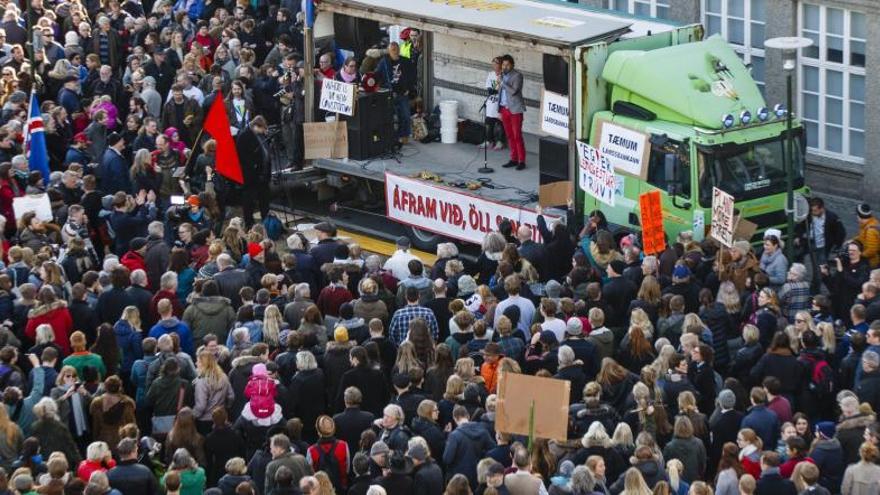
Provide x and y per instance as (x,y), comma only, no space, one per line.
(379,448)
(193,200)
(681,271)
(340,334)
(417,452)
(259,369)
(618,266)
(574,327)
(467,284)
(826,428)
(71,38)
(864,210)
(254,249)
(727,399)
(553,289)
(81,137)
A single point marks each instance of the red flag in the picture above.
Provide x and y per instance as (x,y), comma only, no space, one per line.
(226,158)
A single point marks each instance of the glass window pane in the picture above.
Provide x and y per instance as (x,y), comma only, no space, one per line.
(857,53)
(834,139)
(736,8)
(757,35)
(620,5)
(643,10)
(833,111)
(834,83)
(811,79)
(857,143)
(811,107)
(834,49)
(811,17)
(812,134)
(811,51)
(735,32)
(757,12)
(857,115)
(758,68)
(856,87)
(662,12)
(857,25)
(713,25)
(713,6)
(834,21)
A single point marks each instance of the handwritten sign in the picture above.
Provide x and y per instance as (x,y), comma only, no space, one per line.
(722,217)
(325,140)
(651,209)
(554,114)
(37,203)
(596,175)
(337,96)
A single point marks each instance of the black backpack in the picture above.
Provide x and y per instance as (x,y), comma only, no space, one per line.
(328,463)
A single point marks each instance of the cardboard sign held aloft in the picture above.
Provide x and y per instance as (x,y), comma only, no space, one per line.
(337,97)
(651,208)
(325,140)
(595,174)
(37,203)
(722,217)
(555,193)
(516,395)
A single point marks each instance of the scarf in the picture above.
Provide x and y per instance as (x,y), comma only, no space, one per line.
(79,417)
(346,77)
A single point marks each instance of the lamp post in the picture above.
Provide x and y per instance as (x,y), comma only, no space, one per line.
(789,46)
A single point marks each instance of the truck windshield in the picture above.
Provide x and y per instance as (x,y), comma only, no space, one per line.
(750,170)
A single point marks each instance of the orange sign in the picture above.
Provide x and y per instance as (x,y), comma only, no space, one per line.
(652,223)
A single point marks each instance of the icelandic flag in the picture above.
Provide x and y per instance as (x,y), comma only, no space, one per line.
(35,141)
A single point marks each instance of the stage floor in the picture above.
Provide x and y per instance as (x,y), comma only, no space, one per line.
(453,163)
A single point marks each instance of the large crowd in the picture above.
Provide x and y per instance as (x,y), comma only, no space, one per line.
(155,338)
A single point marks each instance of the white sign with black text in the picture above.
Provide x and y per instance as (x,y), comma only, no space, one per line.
(554,114)
(626,149)
(337,97)
(722,217)
(596,175)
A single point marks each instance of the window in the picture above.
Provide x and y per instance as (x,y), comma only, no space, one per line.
(741,23)
(644,8)
(831,99)
(657,163)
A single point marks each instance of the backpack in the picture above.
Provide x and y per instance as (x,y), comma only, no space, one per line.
(328,463)
(262,399)
(274,227)
(822,381)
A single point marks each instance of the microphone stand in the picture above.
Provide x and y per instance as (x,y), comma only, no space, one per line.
(485,169)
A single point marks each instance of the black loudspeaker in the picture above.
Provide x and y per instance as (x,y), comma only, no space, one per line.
(552,160)
(371,128)
(355,34)
(556,74)
(471,132)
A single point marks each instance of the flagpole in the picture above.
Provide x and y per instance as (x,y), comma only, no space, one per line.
(30,30)
(309,62)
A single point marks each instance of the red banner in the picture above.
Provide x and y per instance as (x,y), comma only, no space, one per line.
(652,223)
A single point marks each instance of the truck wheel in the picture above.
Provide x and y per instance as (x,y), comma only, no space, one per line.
(424,240)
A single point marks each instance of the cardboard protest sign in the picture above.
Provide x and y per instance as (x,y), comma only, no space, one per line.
(626,149)
(555,193)
(722,217)
(651,209)
(337,97)
(554,114)
(596,174)
(325,140)
(518,393)
(37,203)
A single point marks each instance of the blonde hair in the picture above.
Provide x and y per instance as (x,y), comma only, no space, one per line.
(825,330)
(272,321)
(465,368)
(747,484)
(634,483)
(132,315)
(751,334)
(44,334)
(210,370)
(639,318)
(674,468)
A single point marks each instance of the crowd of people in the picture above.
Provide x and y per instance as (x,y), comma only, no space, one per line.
(155,338)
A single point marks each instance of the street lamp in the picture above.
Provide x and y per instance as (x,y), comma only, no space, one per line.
(789,46)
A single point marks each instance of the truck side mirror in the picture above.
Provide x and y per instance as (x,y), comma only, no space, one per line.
(671,167)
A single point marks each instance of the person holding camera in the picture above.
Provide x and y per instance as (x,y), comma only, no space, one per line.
(845,283)
(294,113)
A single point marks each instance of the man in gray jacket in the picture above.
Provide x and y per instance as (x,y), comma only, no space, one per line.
(279,446)
(512,105)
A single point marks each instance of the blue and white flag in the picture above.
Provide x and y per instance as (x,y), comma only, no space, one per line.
(35,140)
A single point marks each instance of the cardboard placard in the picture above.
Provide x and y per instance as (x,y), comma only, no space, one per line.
(722,217)
(596,174)
(626,149)
(555,193)
(651,209)
(325,139)
(517,393)
(554,114)
(337,96)
(37,203)
(744,230)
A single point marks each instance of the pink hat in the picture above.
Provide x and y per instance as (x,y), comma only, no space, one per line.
(259,370)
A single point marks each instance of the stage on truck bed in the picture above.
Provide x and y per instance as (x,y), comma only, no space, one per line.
(454,165)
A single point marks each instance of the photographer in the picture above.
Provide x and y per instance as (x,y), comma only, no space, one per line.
(293,115)
(845,283)
(823,229)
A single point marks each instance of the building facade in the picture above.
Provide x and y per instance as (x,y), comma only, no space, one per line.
(836,81)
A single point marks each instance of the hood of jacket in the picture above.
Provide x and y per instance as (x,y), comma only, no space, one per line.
(352,323)
(44,309)
(211,305)
(123,328)
(859,421)
(420,282)
(340,347)
(172,322)
(602,337)
(472,429)
(245,360)
(649,469)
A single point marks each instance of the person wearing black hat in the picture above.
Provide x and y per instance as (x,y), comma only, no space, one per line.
(407,400)
(133,259)
(395,478)
(113,172)
(869,234)
(618,291)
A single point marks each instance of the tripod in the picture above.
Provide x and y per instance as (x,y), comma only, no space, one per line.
(485,169)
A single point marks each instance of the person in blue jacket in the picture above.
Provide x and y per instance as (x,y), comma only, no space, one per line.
(467,444)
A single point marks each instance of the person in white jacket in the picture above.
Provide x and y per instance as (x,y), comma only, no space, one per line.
(398,263)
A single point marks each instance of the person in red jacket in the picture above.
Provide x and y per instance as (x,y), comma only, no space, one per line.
(133,259)
(52,311)
(98,458)
(336,294)
(167,290)
(319,454)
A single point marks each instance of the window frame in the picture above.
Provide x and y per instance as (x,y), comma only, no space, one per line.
(746,50)
(631,6)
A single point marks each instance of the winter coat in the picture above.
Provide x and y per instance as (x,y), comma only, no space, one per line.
(772,483)
(54,436)
(765,423)
(221,445)
(651,471)
(130,343)
(862,478)
(744,360)
(173,325)
(776,267)
(109,412)
(432,433)
(692,453)
(828,457)
(467,444)
(850,434)
(783,365)
(372,384)
(336,363)
(192,481)
(56,315)
(164,393)
(427,479)
(209,314)
(350,423)
(307,395)
(132,478)
(208,397)
(721,325)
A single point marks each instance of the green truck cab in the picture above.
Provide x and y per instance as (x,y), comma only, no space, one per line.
(705,124)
